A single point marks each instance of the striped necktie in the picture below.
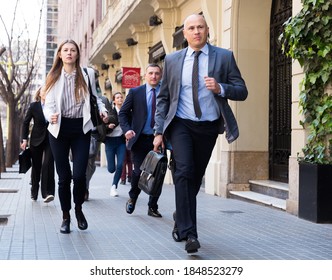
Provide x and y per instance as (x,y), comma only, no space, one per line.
(197,108)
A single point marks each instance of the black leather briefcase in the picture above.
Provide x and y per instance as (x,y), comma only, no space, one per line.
(24,160)
(152,177)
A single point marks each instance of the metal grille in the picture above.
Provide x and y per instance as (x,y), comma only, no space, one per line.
(280,95)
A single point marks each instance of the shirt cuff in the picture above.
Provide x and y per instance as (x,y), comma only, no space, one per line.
(222,91)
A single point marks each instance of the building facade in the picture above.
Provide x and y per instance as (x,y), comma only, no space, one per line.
(114,34)
(51,33)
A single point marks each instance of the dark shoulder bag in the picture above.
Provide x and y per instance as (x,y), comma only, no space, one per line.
(94,111)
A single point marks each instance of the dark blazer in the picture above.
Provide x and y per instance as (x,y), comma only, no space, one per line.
(134,112)
(112,113)
(223,68)
(39,129)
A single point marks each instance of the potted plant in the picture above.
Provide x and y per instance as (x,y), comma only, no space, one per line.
(307,37)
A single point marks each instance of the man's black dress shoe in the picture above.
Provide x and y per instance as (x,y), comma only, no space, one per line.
(154,213)
(192,245)
(175,231)
(65,226)
(130,205)
(81,221)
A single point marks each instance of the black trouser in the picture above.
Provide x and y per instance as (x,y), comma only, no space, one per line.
(42,170)
(192,144)
(140,149)
(71,137)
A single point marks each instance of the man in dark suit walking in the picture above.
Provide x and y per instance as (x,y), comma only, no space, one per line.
(192,110)
(42,170)
(136,119)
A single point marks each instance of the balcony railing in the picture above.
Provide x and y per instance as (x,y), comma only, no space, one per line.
(116,12)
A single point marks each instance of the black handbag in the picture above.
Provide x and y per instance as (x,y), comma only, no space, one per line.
(24,160)
(152,177)
(102,130)
(94,111)
(99,133)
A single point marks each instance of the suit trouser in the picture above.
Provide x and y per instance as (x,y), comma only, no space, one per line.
(192,144)
(140,149)
(42,170)
(90,170)
(71,137)
(93,152)
(127,167)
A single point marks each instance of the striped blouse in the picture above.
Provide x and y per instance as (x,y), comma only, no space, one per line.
(70,107)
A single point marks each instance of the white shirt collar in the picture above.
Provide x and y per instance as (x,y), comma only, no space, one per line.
(204,50)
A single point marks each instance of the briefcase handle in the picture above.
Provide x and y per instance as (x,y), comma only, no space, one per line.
(161,150)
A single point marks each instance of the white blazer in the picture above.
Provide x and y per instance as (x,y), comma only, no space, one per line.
(53,103)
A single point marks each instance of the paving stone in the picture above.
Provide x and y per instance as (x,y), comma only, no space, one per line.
(228,229)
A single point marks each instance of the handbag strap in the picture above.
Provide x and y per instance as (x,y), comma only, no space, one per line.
(86,71)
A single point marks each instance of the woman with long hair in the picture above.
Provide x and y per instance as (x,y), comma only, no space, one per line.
(67,108)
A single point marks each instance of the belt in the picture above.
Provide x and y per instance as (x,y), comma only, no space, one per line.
(197,123)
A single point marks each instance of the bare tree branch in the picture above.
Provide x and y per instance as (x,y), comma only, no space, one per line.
(18,68)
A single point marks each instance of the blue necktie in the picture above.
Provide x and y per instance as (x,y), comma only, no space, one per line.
(153,106)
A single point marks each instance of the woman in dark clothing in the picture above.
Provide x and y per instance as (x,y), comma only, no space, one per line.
(42,170)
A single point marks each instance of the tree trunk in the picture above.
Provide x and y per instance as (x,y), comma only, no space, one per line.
(10,147)
(17,137)
(2,151)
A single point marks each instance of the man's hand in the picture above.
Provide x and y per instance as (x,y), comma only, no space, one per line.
(211,84)
(130,134)
(158,142)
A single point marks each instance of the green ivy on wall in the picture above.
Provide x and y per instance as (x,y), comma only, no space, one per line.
(307,37)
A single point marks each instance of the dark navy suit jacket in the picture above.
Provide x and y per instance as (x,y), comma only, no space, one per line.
(134,112)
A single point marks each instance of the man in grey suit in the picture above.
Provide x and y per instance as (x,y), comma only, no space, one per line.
(191,126)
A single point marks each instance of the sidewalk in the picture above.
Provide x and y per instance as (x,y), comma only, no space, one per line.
(228,229)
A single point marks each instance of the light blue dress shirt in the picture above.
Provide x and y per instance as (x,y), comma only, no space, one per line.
(207,102)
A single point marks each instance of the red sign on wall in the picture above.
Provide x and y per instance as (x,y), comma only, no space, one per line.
(131,77)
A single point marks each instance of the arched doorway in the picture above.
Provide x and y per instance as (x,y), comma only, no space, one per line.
(280,95)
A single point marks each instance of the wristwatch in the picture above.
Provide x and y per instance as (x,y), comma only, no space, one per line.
(157,133)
